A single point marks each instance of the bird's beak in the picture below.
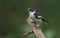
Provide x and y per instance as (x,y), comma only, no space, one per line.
(29,9)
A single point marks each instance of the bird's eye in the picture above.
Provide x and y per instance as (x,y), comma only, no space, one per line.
(31,10)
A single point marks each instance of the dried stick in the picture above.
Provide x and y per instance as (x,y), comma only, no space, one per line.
(27,33)
(35,28)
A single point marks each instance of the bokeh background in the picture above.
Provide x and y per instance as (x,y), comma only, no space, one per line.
(13,14)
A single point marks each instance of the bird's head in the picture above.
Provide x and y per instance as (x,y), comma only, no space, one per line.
(31,10)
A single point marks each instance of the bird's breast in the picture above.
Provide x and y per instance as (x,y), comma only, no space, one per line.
(31,15)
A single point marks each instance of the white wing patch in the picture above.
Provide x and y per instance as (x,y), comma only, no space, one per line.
(39,16)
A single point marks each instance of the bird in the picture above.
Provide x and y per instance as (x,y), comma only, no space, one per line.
(33,14)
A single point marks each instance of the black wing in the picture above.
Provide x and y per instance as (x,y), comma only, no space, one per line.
(36,15)
(44,20)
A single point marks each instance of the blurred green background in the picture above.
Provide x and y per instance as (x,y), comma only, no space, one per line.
(13,14)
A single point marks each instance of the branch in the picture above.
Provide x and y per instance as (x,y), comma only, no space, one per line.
(35,29)
(27,33)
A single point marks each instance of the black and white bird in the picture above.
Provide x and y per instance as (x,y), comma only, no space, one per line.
(35,16)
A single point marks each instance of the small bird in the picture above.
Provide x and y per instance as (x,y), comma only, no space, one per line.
(35,16)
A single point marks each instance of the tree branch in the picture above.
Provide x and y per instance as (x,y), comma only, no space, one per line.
(35,29)
(27,33)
